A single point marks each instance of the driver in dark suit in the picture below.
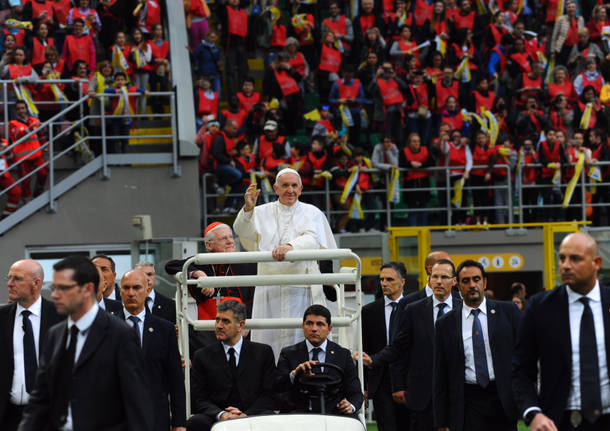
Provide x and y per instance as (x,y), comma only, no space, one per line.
(299,359)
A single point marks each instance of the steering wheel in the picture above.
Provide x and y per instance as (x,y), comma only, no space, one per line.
(321,385)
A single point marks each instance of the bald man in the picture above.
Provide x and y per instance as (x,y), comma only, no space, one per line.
(564,338)
(161,357)
(24,321)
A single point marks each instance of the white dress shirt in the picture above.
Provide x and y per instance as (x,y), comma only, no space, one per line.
(467,322)
(141,315)
(102,304)
(388,311)
(113,295)
(18,394)
(150,304)
(435,309)
(576,308)
(236,347)
(429,291)
(83,324)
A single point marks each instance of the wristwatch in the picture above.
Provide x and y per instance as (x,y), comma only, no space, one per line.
(529,417)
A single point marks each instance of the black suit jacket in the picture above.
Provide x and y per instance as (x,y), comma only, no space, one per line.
(48,318)
(164,372)
(503,319)
(113,307)
(545,336)
(374,339)
(413,371)
(109,385)
(211,375)
(164,307)
(292,356)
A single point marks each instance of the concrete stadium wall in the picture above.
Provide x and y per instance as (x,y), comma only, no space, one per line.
(99,212)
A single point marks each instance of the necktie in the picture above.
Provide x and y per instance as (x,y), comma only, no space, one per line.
(590,390)
(64,376)
(232,361)
(441,309)
(29,352)
(478,348)
(392,325)
(136,320)
(315,352)
(149,304)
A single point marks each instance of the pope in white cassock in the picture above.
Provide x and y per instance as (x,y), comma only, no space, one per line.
(280,226)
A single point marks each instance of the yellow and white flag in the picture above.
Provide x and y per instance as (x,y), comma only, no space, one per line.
(586,116)
(463,71)
(350,184)
(458,185)
(572,184)
(355,210)
(394,189)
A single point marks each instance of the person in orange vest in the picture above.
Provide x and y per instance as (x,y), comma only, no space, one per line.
(159,67)
(27,155)
(389,89)
(502,154)
(340,26)
(446,87)
(149,15)
(120,54)
(245,162)
(238,115)
(52,56)
(590,77)
(365,20)
(418,110)
(329,66)
(349,92)
(39,11)
(497,61)
(529,178)
(79,46)
(456,154)
(223,151)
(531,120)
(206,100)
(6,181)
(320,161)
(247,96)
(479,177)
(18,69)
(197,23)
(90,18)
(482,96)
(552,155)
(38,44)
(324,126)
(124,105)
(416,156)
(234,24)
(113,14)
(281,82)
(469,19)
(529,84)
(495,30)
(263,146)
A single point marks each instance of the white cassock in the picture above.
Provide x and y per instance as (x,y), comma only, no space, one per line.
(304,227)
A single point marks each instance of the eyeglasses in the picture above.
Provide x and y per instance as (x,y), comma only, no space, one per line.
(63,287)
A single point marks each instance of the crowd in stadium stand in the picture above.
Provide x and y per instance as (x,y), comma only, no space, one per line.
(493,85)
(103,46)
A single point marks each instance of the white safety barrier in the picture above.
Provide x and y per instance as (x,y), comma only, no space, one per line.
(344,318)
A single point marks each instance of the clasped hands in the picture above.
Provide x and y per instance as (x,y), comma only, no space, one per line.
(232,413)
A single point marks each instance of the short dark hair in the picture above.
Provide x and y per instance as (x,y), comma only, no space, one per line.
(79,20)
(238,309)
(20,102)
(248,79)
(317,310)
(84,270)
(516,287)
(399,267)
(445,262)
(116,75)
(468,264)
(108,258)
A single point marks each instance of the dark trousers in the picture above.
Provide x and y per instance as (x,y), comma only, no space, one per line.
(118,128)
(481,197)
(483,410)
(602,424)
(389,415)
(12,417)
(236,67)
(550,196)
(423,420)
(199,422)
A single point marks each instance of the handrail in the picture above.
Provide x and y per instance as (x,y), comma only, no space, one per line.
(345,276)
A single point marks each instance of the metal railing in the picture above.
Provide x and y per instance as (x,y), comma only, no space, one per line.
(81,143)
(345,318)
(514,208)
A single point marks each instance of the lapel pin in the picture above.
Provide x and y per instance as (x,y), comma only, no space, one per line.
(158,306)
(332,352)
(493,311)
(150,329)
